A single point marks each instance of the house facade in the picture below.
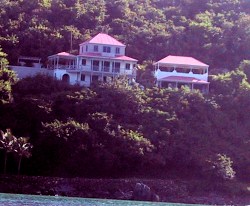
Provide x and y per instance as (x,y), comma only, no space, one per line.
(101,58)
(178,71)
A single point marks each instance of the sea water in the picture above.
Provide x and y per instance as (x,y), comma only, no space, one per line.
(39,200)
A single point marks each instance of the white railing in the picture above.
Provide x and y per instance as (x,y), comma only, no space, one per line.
(94,68)
(161,74)
(104,69)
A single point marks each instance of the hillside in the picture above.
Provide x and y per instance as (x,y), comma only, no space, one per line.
(117,130)
(214,31)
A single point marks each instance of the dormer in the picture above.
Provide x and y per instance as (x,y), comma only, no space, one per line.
(102,45)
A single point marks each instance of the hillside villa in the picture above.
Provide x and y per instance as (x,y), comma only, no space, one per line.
(178,71)
(100,59)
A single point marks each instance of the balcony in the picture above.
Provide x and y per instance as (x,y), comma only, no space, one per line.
(95,68)
(116,70)
(161,74)
(106,69)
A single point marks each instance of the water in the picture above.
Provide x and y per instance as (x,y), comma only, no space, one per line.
(37,200)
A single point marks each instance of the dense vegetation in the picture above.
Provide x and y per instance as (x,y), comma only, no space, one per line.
(213,31)
(116,129)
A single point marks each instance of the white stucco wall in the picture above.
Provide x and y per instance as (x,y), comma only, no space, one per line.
(89,48)
(23,71)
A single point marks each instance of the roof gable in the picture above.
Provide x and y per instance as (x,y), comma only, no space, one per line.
(181,60)
(105,39)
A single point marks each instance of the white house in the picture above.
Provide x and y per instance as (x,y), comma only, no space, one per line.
(100,59)
(178,71)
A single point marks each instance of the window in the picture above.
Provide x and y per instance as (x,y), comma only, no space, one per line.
(95,48)
(86,48)
(106,66)
(82,77)
(95,65)
(95,78)
(127,66)
(106,49)
(167,69)
(117,50)
(84,62)
(116,66)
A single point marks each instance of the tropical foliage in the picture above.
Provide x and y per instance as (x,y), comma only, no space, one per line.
(115,129)
(7,79)
(11,144)
(214,31)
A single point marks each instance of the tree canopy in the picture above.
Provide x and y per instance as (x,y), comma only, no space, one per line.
(116,129)
(216,32)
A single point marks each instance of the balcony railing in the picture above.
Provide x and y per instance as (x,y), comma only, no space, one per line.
(161,74)
(95,68)
(106,69)
(116,70)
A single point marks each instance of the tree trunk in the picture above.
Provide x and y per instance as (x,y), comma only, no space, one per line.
(19,165)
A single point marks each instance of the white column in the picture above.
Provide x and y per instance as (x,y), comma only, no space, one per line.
(91,69)
(57,60)
(102,65)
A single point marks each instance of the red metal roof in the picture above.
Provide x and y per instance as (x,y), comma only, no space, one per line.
(125,58)
(102,38)
(63,54)
(183,79)
(181,60)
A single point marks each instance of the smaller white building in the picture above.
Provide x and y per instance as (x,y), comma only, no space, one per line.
(29,66)
(178,71)
(101,58)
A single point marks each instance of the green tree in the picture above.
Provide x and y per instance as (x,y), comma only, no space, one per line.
(7,79)
(221,167)
(23,149)
(245,67)
(7,141)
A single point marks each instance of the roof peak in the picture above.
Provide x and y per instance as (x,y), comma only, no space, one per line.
(103,38)
(181,60)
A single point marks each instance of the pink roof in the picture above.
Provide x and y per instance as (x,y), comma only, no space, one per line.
(125,58)
(102,38)
(181,60)
(99,55)
(63,54)
(183,79)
